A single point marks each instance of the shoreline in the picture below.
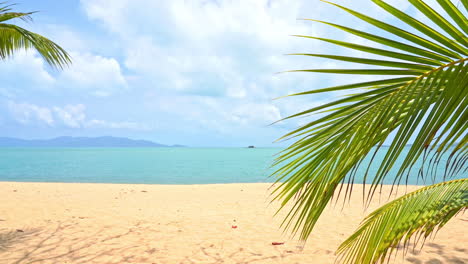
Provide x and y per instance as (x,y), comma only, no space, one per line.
(178,184)
(148,223)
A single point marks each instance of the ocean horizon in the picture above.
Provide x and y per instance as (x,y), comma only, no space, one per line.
(157,165)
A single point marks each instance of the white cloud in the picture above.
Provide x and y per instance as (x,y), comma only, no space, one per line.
(203,47)
(254,114)
(226,49)
(26,113)
(101,75)
(208,114)
(93,74)
(25,65)
(71,116)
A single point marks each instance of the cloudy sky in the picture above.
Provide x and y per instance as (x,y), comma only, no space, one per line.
(198,73)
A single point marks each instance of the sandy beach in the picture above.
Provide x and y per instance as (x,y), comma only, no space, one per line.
(124,223)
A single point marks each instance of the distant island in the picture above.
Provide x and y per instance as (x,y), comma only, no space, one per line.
(105,142)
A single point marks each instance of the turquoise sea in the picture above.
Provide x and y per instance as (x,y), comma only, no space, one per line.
(148,165)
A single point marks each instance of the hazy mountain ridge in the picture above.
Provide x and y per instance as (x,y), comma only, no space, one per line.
(105,141)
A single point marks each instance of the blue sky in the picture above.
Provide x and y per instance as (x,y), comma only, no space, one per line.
(198,73)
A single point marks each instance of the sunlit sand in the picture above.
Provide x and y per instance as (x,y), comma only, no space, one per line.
(221,223)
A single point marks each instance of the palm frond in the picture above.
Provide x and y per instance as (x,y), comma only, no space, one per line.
(14,38)
(11,15)
(427,106)
(415,215)
(5,7)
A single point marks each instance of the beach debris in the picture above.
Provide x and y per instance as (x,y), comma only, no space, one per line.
(289,251)
(15,190)
(19,230)
(143,191)
(234,226)
(277,243)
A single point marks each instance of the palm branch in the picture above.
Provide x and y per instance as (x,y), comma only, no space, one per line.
(13,38)
(423,100)
(416,214)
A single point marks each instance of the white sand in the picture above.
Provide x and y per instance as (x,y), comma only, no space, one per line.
(124,223)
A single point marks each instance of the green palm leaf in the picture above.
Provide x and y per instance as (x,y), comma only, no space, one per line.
(428,107)
(13,38)
(414,215)
(455,14)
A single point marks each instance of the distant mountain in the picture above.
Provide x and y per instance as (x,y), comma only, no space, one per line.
(80,142)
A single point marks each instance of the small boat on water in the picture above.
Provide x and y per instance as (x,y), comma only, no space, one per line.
(251,147)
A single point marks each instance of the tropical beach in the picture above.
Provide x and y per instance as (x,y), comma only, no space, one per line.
(140,131)
(214,223)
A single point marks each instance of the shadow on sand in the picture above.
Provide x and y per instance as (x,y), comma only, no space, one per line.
(63,244)
(443,256)
(54,247)
(67,243)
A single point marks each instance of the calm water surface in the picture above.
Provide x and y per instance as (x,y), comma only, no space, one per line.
(146,165)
